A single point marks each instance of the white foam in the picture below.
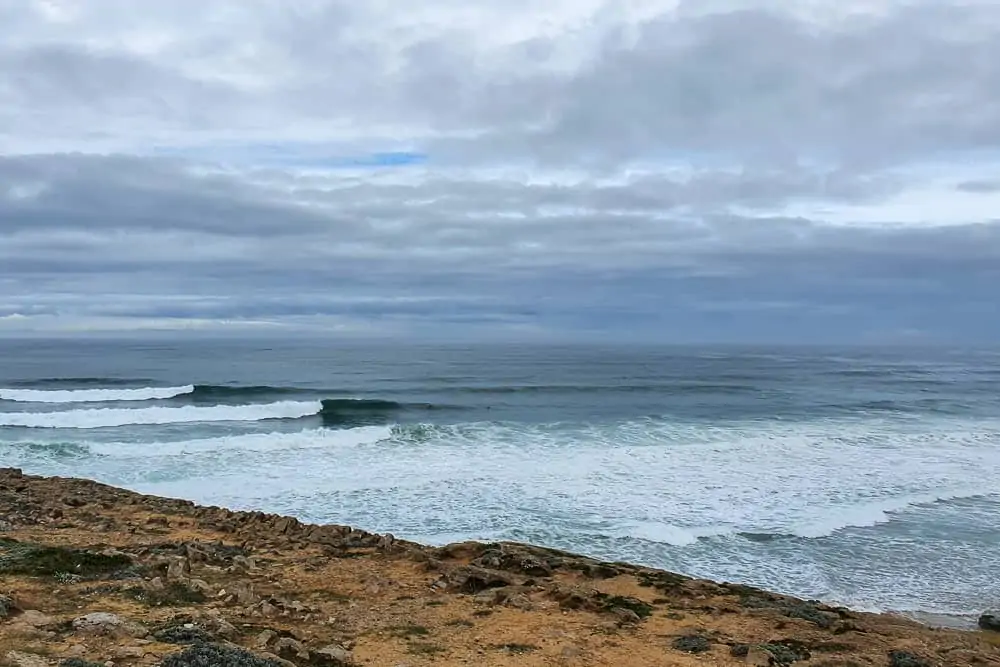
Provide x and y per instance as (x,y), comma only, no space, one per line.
(109,417)
(257,442)
(92,395)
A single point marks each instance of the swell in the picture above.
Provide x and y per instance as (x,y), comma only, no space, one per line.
(659,388)
(351,412)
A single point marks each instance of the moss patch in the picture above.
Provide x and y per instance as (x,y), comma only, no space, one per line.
(64,564)
(174,594)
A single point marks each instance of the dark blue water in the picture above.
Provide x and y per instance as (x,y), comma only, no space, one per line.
(860,476)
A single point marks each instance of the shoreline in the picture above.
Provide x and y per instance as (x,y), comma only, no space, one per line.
(320,595)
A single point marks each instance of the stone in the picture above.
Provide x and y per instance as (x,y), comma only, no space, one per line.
(76,651)
(990,621)
(278,660)
(178,569)
(201,586)
(759,657)
(223,628)
(289,649)
(264,639)
(7,606)
(22,659)
(103,623)
(625,616)
(332,656)
(36,619)
(130,652)
(522,602)
(244,593)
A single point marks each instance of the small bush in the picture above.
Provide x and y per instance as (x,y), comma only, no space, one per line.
(212,655)
(64,564)
(173,594)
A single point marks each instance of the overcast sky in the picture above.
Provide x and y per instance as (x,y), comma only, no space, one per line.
(731,170)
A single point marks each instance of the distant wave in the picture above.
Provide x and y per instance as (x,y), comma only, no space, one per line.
(216,393)
(670,388)
(110,417)
(92,395)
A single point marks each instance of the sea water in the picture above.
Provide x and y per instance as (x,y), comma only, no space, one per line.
(864,477)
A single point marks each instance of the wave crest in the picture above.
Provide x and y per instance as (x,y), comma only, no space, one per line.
(111,417)
(92,395)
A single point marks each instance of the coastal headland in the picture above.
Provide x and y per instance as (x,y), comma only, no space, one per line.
(95,575)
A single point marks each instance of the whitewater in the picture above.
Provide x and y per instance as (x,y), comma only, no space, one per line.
(857,477)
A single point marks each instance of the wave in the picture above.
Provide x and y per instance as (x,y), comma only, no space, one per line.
(678,388)
(207,393)
(365,411)
(260,442)
(111,417)
(92,395)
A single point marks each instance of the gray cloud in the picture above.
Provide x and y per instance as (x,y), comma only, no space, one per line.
(700,168)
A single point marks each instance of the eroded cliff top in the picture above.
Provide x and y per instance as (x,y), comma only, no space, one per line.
(90,574)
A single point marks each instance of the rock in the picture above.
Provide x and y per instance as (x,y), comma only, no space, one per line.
(332,656)
(7,606)
(21,659)
(130,652)
(36,619)
(243,591)
(990,622)
(471,579)
(178,569)
(522,602)
(102,623)
(488,597)
(200,586)
(692,644)
(222,628)
(625,616)
(76,651)
(759,657)
(278,659)
(289,649)
(264,639)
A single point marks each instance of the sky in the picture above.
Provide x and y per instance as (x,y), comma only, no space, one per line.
(657,170)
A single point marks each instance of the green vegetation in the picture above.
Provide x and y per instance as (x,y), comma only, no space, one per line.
(66,565)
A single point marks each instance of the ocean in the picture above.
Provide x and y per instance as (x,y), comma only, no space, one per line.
(863,477)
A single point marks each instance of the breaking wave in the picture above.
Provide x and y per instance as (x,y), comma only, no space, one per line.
(111,417)
(92,395)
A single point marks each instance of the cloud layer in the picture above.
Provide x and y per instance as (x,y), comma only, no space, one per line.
(654,169)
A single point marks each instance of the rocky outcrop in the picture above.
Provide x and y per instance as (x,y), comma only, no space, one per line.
(91,574)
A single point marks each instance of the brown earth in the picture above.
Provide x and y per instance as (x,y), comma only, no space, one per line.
(169,578)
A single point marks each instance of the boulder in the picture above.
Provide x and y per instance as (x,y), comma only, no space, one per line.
(7,606)
(990,621)
(103,623)
(332,656)
(22,659)
(36,619)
